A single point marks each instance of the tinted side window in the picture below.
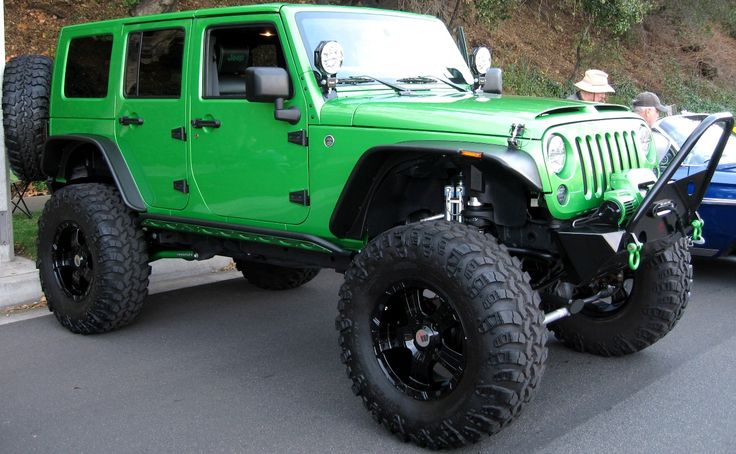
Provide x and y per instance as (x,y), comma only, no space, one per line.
(153,65)
(230,51)
(88,67)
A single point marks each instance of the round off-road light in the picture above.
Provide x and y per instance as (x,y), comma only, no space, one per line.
(562,194)
(328,57)
(556,154)
(481,60)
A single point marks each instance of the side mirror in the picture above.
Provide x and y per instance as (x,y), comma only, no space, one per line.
(265,84)
(268,84)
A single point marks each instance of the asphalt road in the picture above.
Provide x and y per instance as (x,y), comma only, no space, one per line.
(229,368)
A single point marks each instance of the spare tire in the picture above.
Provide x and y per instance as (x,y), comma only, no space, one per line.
(26,91)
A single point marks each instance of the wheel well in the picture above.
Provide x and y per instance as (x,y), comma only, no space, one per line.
(77,161)
(89,158)
(391,188)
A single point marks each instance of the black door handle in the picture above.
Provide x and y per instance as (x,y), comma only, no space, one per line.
(199,123)
(125,121)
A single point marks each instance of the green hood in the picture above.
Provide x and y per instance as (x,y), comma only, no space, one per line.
(464,113)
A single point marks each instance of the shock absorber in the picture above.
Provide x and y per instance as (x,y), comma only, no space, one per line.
(454,201)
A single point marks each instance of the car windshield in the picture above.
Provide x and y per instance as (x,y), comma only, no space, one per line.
(680,128)
(402,49)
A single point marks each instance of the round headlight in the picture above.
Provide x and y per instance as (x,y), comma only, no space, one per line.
(645,137)
(481,59)
(328,57)
(556,154)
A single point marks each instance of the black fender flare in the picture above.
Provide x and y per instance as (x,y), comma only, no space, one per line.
(349,216)
(59,149)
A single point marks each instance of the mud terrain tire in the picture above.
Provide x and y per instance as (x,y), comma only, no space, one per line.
(92,259)
(275,277)
(478,317)
(660,293)
(26,89)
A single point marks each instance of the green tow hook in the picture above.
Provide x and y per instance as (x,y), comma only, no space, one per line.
(698,225)
(634,250)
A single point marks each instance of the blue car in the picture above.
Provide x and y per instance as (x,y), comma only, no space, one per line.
(718,209)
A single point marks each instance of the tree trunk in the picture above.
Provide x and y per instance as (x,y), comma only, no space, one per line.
(146,7)
(583,37)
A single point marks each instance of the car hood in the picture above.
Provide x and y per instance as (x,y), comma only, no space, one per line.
(466,113)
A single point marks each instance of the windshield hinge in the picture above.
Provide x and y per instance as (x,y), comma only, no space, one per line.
(298,137)
(517,130)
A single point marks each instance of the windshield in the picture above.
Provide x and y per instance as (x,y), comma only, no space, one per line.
(397,49)
(680,128)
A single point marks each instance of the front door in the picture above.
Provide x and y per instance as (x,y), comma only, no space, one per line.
(152,108)
(242,161)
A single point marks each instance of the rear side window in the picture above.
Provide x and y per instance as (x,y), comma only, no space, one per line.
(88,67)
(153,65)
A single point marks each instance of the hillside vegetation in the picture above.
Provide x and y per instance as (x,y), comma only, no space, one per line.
(683,50)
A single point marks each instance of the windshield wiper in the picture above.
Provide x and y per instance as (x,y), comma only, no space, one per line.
(355,80)
(430,79)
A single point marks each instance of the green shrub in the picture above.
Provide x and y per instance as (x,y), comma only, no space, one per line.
(626,89)
(493,11)
(696,94)
(524,79)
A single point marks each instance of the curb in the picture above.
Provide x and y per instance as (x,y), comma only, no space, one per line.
(19,283)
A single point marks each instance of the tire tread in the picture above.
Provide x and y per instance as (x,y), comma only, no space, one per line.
(122,285)
(499,289)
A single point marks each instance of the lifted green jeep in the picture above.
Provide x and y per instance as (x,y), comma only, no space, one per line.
(293,138)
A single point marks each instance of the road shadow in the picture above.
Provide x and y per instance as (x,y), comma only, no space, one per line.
(264,367)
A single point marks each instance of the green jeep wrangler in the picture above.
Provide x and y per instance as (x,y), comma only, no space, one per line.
(294,138)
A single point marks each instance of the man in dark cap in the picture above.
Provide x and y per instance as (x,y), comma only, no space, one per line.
(648,106)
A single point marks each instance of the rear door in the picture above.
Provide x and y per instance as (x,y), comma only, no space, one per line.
(151,111)
(245,163)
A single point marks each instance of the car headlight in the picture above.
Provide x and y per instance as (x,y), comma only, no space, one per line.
(645,138)
(556,154)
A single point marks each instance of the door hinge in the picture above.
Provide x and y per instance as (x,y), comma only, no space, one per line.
(181,186)
(300,197)
(299,137)
(179,134)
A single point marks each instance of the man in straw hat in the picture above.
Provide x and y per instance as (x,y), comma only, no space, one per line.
(594,87)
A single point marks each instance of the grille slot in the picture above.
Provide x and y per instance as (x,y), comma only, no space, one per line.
(585,167)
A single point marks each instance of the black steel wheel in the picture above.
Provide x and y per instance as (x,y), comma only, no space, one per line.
(72,260)
(646,306)
(419,341)
(92,259)
(441,333)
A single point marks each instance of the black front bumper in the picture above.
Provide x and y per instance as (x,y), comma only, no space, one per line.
(664,216)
